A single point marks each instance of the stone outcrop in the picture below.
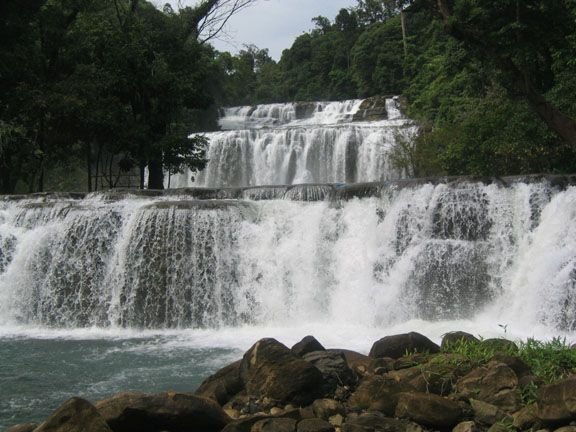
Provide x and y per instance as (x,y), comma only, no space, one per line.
(75,415)
(378,393)
(557,402)
(372,109)
(399,345)
(272,370)
(494,383)
(307,345)
(312,389)
(334,368)
(304,110)
(429,410)
(177,412)
(275,425)
(223,385)
(314,425)
(376,422)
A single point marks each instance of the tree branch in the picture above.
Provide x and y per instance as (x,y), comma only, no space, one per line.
(211,16)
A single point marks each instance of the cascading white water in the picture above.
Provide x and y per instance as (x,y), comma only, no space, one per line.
(463,251)
(296,143)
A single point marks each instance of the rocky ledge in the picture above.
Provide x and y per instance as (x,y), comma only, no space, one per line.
(406,384)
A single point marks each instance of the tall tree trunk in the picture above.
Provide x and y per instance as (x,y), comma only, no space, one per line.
(41,177)
(89,165)
(142,170)
(556,120)
(155,174)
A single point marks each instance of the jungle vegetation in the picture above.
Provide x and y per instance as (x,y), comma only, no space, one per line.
(95,89)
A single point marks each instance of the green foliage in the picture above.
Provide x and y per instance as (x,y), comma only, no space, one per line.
(474,351)
(471,80)
(377,59)
(549,361)
(98,81)
(120,80)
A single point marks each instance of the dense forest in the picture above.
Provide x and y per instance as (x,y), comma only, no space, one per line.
(100,89)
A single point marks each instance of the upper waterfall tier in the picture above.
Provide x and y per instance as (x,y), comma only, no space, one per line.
(304,142)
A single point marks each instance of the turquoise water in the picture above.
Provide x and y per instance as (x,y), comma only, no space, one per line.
(37,374)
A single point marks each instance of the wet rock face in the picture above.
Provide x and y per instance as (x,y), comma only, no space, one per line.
(275,425)
(75,415)
(372,109)
(398,345)
(378,393)
(223,385)
(557,402)
(375,421)
(304,110)
(176,412)
(314,425)
(429,410)
(270,369)
(494,383)
(334,368)
(307,345)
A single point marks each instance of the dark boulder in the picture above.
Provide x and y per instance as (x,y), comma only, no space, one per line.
(223,385)
(437,376)
(378,422)
(485,413)
(378,393)
(466,426)
(314,425)
(372,109)
(557,402)
(307,345)
(494,383)
(520,368)
(244,424)
(429,410)
(397,346)
(275,425)
(526,418)
(74,415)
(176,412)
(359,363)
(304,110)
(333,367)
(270,369)
(326,408)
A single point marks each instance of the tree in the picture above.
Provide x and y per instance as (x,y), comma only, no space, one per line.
(166,66)
(516,38)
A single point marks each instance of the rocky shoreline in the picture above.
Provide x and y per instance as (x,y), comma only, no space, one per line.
(407,383)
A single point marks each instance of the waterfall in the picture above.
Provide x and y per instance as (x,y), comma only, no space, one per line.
(377,254)
(294,143)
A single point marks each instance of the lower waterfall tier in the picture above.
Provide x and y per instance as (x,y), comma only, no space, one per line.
(420,251)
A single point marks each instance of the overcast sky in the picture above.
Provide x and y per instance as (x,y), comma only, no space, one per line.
(274,24)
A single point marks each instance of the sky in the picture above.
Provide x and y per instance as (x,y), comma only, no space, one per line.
(274,24)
